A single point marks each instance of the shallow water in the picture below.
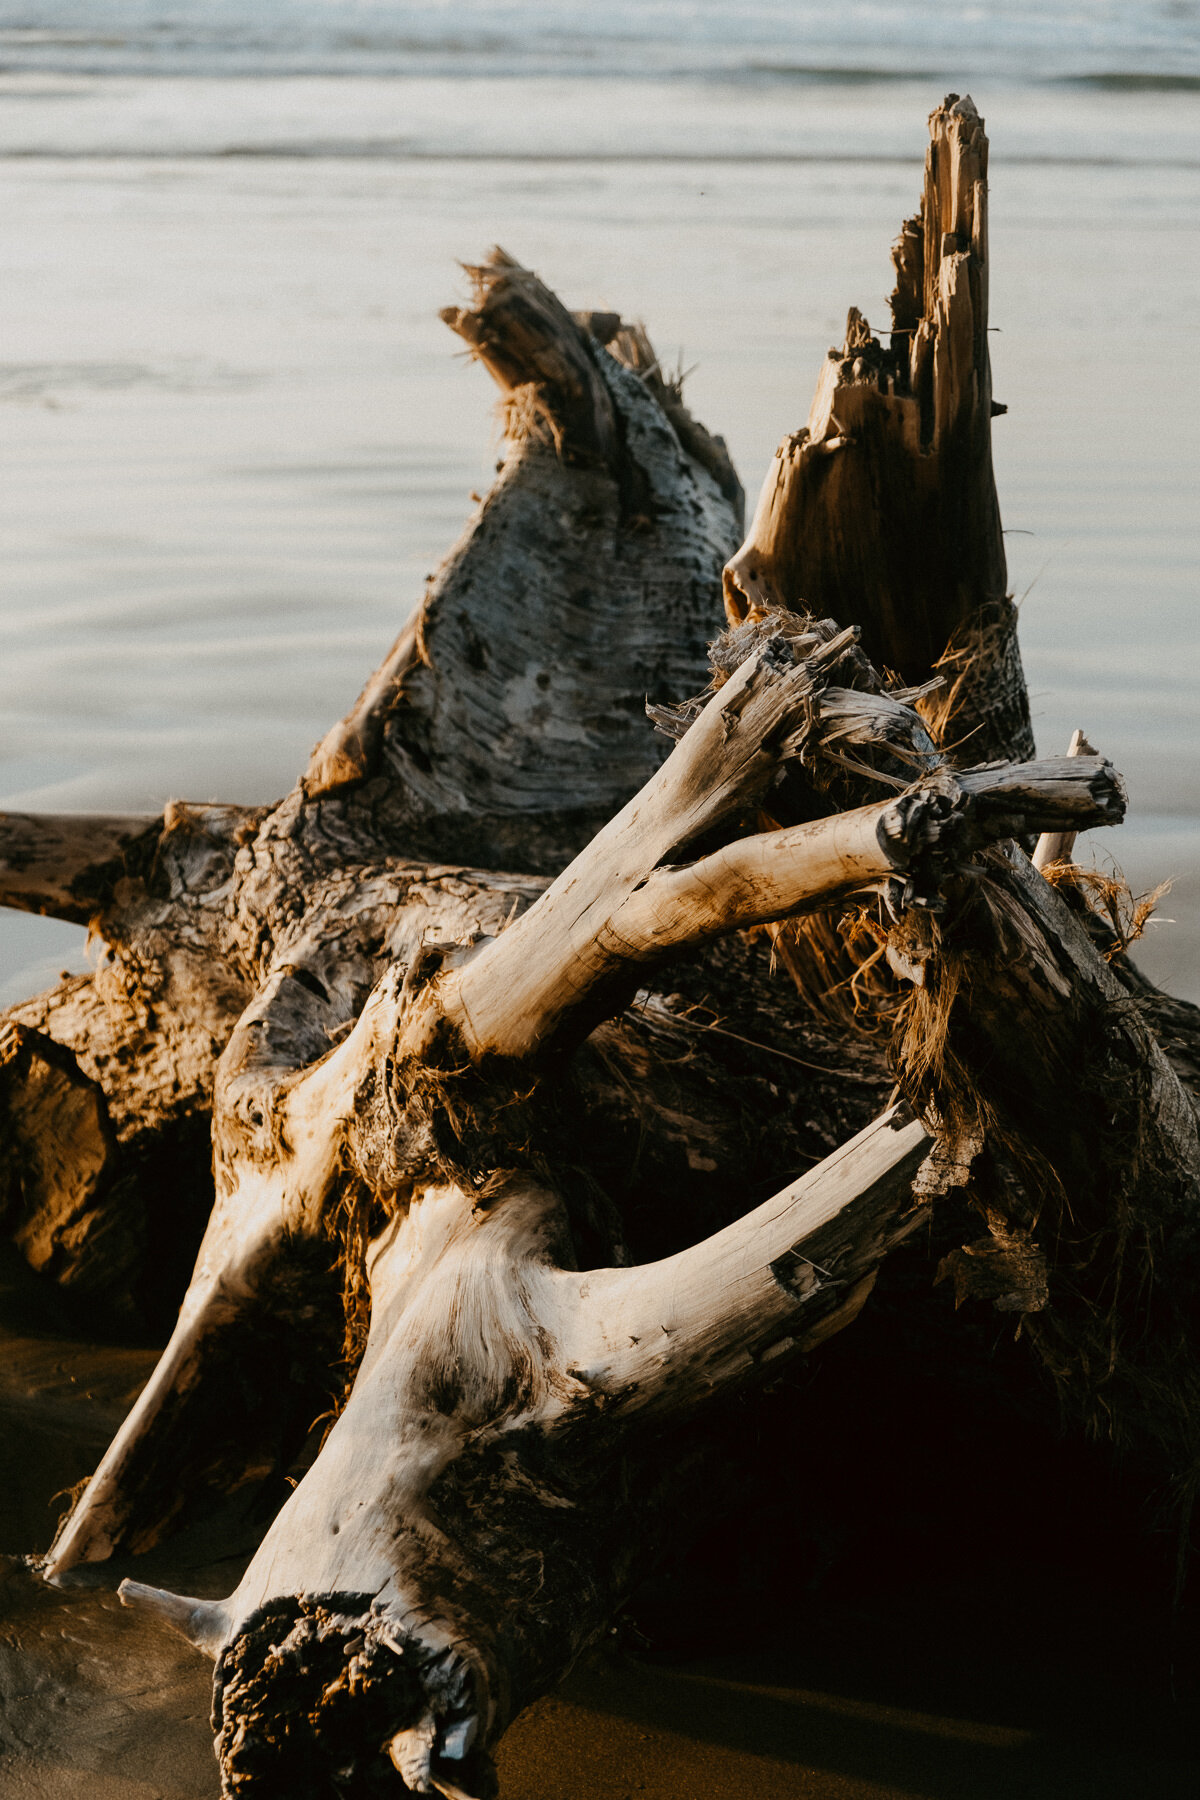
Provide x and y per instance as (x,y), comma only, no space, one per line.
(1106,42)
(238,437)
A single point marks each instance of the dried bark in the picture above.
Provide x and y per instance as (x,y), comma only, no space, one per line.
(116,1211)
(508,721)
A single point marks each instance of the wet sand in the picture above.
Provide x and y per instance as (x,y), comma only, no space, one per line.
(98,1704)
(980,1681)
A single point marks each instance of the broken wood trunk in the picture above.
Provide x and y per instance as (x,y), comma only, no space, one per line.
(555,1160)
(882,510)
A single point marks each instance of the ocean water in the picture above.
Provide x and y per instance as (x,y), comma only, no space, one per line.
(236,436)
(1111,40)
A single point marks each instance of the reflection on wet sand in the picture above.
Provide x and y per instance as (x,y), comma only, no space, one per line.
(920,1693)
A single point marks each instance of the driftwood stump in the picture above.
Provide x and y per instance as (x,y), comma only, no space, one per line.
(492,1142)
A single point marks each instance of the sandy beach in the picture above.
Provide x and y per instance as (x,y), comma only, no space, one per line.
(1040,1671)
(237,438)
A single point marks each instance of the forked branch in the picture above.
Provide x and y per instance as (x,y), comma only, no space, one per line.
(287,1128)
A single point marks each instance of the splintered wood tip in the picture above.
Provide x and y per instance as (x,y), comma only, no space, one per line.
(201,1622)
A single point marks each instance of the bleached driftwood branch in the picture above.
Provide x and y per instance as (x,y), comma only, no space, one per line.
(444,1541)
(484,1351)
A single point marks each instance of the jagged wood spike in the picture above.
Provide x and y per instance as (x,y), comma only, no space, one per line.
(882,510)
(201,1622)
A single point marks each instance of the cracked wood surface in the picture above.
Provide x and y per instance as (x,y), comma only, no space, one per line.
(882,510)
(507,725)
(504,728)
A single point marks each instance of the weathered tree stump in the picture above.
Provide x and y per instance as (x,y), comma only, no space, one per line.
(493,1127)
(882,510)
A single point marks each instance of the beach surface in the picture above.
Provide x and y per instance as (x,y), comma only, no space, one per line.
(236,439)
(994,1682)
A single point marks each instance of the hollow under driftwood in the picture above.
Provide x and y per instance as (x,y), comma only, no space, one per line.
(411,1063)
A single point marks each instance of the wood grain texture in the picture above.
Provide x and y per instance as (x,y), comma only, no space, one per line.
(504,728)
(508,722)
(66,864)
(882,510)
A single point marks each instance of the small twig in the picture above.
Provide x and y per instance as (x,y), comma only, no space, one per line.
(828,1273)
(767,1049)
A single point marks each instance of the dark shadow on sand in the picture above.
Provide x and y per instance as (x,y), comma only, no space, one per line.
(757,1706)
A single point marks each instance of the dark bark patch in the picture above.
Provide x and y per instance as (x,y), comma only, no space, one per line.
(56,1156)
(308,1696)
